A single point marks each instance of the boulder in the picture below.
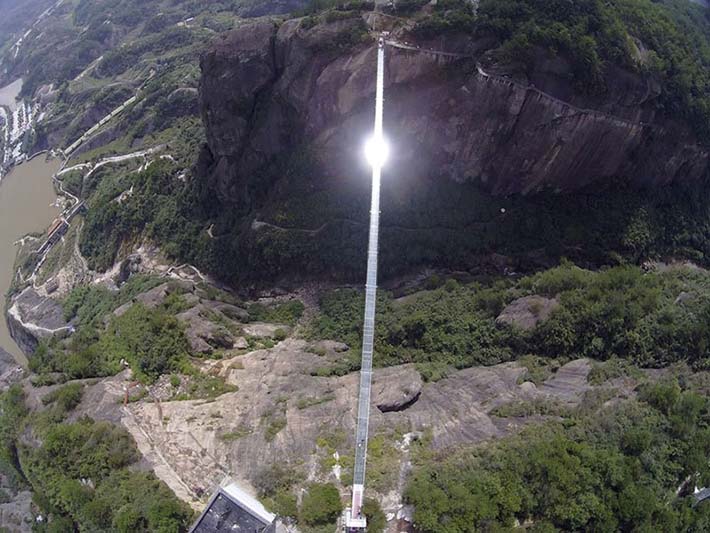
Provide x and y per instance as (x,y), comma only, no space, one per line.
(240,343)
(395,389)
(331,346)
(525,313)
(203,335)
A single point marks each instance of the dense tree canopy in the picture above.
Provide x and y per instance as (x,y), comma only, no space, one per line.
(614,472)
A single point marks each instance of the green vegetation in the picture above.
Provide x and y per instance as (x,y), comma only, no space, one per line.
(376,519)
(280,313)
(237,434)
(321,505)
(12,413)
(150,340)
(382,463)
(305,403)
(199,386)
(88,304)
(109,223)
(537,369)
(64,399)
(451,326)
(620,313)
(274,424)
(595,34)
(617,471)
(275,485)
(612,369)
(82,473)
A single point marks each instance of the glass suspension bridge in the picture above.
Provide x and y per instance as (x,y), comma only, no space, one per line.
(376,150)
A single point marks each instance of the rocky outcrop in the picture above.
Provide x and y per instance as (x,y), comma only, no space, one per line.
(16,514)
(484,161)
(268,89)
(32,317)
(282,412)
(525,313)
(203,335)
(10,371)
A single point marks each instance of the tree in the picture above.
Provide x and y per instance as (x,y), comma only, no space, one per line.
(376,519)
(321,504)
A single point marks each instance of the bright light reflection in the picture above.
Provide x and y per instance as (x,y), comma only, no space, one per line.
(377,150)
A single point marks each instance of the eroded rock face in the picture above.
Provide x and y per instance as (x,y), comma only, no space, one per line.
(267,89)
(201,439)
(33,317)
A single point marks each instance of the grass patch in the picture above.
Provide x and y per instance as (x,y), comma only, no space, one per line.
(237,434)
(613,369)
(305,403)
(279,313)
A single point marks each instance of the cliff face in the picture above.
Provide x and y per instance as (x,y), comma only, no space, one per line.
(267,89)
(287,108)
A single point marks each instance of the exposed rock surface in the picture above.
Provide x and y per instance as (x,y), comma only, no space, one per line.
(16,514)
(569,381)
(197,443)
(396,389)
(265,88)
(203,335)
(526,312)
(260,329)
(33,317)
(10,371)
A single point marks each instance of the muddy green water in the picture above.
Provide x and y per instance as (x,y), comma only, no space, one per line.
(26,198)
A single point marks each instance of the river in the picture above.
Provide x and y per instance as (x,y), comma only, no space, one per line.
(26,198)
(8,94)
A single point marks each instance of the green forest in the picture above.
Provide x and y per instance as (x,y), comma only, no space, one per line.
(619,312)
(82,473)
(614,471)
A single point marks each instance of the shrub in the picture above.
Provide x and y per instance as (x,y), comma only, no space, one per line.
(376,519)
(557,474)
(612,369)
(275,478)
(320,505)
(65,398)
(281,313)
(284,504)
(273,427)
